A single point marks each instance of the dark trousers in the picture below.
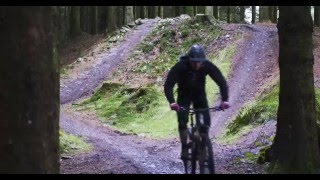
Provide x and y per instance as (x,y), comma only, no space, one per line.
(198,102)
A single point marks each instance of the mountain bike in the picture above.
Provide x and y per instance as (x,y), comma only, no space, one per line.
(199,145)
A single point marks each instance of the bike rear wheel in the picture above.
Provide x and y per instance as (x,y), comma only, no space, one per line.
(206,159)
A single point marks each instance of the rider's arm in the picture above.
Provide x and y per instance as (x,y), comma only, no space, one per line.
(217,76)
(169,84)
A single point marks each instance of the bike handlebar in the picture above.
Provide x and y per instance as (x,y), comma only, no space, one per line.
(192,110)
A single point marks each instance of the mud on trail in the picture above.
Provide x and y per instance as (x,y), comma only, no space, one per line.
(254,65)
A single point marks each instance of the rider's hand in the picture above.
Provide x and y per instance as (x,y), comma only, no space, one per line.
(175,106)
(224,105)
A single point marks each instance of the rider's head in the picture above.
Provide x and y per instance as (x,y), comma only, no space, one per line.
(196,56)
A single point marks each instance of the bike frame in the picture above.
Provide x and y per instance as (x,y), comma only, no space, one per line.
(199,140)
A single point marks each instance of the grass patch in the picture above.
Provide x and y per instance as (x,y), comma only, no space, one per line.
(133,110)
(222,60)
(255,113)
(70,144)
(171,42)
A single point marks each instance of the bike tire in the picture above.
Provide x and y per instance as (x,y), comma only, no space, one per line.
(187,166)
(190,163)
(194,158)
(206,155)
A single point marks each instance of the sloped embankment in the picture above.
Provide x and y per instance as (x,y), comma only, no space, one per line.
(145,70)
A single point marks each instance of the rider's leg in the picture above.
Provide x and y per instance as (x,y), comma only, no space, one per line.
(182,127)
(183,133)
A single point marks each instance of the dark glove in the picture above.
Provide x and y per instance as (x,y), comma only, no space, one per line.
(175,106)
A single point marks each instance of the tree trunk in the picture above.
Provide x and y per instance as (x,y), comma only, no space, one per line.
(56,21)
(167,11)
(189,11)
(228,14)
(29,93)
(216,12)
(263,13)
(201,9)
(66,21)
(195,10)
(316,16)
(233,14)
(260,15)
(60,22)
(253,20)
(155,11)
(129,15)
(94,20)
(151,12)
(137,12)
(82,18)
(242,14)
(111,19)
(274,14)
(160,11)
(118,10)
(142,12)
(209,10)
(176,11)
(124,13)
(295,148)
(103,13)
(270,13)
(88,19)
(75,21)
(182,10)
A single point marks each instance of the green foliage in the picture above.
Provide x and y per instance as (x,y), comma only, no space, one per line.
(119,103)
(222,59)
(262,156)
(261,110)
(317,94)
(147,47)
(251,157)
(185,33)
(133,110)
(162,25)
(257,112)
(70,144)
(172,42)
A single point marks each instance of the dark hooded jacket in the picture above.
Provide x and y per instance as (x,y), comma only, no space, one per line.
(191,83)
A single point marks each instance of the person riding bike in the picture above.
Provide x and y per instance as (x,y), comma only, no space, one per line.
(190,73)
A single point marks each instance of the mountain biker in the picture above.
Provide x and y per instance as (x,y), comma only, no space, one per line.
(190,73)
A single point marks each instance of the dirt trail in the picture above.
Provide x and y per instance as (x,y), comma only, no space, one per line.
(255,65)
(115,152)
(119,153)
(85,83)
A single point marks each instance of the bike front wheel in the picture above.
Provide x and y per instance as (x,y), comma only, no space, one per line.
(190,164)
(206,159)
